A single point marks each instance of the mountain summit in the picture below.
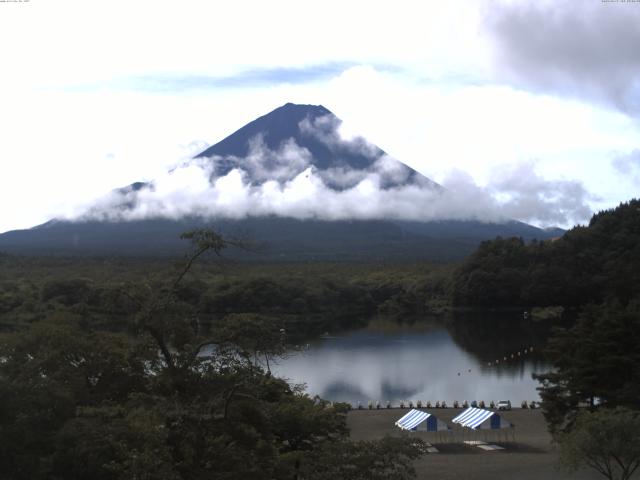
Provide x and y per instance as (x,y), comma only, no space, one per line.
(291,181)
(291,133)
(275,127)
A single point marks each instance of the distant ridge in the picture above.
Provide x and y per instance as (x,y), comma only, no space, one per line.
(276,238)
(312,129)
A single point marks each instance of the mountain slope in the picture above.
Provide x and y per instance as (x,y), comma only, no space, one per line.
(270,238)
(282,159)
(313,129)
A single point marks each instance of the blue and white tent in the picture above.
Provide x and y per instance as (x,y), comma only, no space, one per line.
(480,419)
(417,420)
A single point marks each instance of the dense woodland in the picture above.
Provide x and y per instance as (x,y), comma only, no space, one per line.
(122,368)
(592,274)
(309,298)
(591,264)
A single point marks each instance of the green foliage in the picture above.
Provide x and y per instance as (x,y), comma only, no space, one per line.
(389,459)
(300,421)
(546,313)
(104,379)
(596,359)
(588,264)
(308,299)
(492,275)
(124,441)
(253,336)
(67,291)
(51,370)
(607,440)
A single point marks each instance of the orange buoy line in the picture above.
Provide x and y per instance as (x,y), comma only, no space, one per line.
(511,356)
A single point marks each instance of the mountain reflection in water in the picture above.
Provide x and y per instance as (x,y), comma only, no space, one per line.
(388,361)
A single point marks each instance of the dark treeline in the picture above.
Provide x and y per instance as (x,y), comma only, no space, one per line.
(107,372)
(113,368)
(309,298)
(593,272)
(591,398)
(589,264)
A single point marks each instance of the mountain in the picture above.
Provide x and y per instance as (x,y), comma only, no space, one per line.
(270,238)
(315,129)
(281,160)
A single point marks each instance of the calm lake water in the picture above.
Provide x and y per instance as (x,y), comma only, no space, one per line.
(425,360)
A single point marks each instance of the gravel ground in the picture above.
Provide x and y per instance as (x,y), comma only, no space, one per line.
(531,456)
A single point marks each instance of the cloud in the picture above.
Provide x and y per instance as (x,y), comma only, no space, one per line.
(291,186)
(443,105)
(327,129)
(528,195)
(243,79)
(585,49)
(628,164)
(262,164)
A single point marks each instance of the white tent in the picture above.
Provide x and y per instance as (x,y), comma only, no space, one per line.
(480,419)
(417,420)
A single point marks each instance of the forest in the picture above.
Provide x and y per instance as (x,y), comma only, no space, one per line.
(107,377)
(592,275)
(310,298)
(115,368)
(588,264)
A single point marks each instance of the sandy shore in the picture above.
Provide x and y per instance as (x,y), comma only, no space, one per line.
(531,456)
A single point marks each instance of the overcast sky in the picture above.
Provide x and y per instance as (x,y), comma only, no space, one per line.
(512,96)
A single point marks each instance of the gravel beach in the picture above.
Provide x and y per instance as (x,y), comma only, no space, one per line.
(531,456)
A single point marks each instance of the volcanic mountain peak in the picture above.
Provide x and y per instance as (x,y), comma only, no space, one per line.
(276,126)
(294,137)
(293,182)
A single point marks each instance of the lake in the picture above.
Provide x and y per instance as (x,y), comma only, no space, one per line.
(425,360)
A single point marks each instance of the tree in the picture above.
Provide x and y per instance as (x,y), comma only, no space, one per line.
(169,399)
(253,336)
(607,440)
(51,372)
(595,360)
(388,459)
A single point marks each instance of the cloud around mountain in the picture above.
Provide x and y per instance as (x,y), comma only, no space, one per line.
(282,175)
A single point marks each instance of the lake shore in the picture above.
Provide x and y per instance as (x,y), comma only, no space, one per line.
(531,456)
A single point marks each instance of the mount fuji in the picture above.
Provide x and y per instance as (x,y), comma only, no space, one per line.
(292,183)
